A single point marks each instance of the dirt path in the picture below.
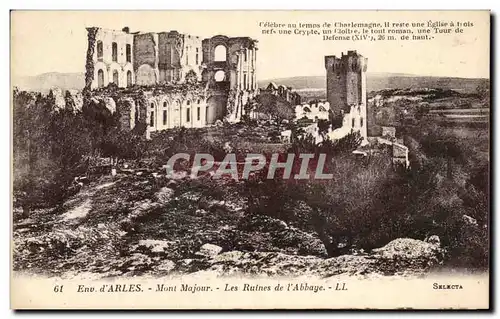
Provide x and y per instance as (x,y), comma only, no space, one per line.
(85,202)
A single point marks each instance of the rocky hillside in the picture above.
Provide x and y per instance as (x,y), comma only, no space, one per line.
(140,222)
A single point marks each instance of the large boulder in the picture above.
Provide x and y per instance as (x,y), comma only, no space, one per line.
(286,238)
(434,240)
(164,195)
(262,264)
(208,250)
(262,223)
(152,246)
(165,266)
(407,248)
(407,254)
(469,221)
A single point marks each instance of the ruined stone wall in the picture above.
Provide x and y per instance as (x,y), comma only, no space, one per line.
(229,69)
(179,54)
(166,57)
(284,92)
(105,66)
(59,98)
(170,110)
(126,109)
(146,58)
(192,58)
(77,99)
(170,45)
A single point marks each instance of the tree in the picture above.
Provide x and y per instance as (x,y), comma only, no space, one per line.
(342,146)
(274,106)
(444,146)
(422,110)
(191,77)
(121,144)
(483,89)
(50,146)
(323,127)
(69,102)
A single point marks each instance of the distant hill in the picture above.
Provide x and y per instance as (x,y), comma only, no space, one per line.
(44,82)
(375,81)
(379,81)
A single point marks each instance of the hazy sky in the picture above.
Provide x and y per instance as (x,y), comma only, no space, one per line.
(56,41)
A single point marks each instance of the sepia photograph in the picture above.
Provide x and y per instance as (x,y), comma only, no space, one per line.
(250,159)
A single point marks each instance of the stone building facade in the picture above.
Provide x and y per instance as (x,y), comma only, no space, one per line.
(157,108)
(229,69)
(224,67)
(346,93)
(166,57)
(126,58)
(170,110)
(109,58)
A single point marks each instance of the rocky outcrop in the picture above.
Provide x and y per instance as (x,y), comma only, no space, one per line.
(209,250)
(403,256)
(292,240)
(164,195)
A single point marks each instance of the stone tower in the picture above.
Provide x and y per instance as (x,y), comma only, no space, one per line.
(346,93)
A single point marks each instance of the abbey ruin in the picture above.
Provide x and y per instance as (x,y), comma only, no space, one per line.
(168,79)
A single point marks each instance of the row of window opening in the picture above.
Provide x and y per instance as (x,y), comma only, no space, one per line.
(165,104)
(114,51)
(100,78)
(165,116)
(360,122)
(220,53)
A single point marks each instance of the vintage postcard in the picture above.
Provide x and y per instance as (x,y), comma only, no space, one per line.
(250,159)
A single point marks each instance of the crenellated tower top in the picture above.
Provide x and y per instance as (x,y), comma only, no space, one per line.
(350,62)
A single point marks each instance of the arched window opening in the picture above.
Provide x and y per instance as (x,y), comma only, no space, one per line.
(219,76)
(114,51)
(100,78)
(99,49)
(152,119)
(129,78)
(128,53)
(220,53)
(115,77)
